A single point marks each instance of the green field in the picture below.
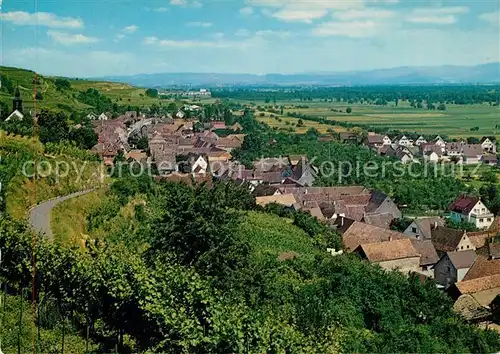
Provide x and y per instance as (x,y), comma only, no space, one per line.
(455,121)
(291,122)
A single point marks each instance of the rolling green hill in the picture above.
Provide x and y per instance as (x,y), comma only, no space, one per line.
(66,99)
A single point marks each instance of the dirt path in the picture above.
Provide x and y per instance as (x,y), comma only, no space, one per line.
(39,216)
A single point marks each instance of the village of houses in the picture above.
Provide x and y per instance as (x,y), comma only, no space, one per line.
(464,264)
(437,150)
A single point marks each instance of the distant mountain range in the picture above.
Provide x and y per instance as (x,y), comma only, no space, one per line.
(448,74)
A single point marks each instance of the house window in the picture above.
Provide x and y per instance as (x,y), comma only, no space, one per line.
(481,220)
(462,247)
(482,210)
(414,230)
(489,219)
(467,246)
(448,269)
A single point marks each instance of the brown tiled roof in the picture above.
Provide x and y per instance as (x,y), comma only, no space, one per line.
(269,163)
(494,250)
(376,200)
(496,224)
(428,254)
(445,239)
(473,150)
(187,178)
(467,306)
(137,155)
(383,220)
(479,284)
(317,213)
(286,199)
(464,204)
(462,259)
(231,143)
(375,139)
(483,267)
(389,250)
(478,239)
(332,191)
(355,212)
(272,177)
(360,233)
(426,225)
(263,190)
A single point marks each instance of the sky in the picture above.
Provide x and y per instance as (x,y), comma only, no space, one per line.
(91,38)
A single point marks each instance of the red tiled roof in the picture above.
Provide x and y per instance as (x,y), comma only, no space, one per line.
(464,204)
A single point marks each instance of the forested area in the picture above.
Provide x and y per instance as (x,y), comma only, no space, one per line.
(209,271)
(379,95)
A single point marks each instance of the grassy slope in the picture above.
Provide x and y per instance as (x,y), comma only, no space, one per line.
(68,218)
(123,94)
(271,234)
(52,97)
(22,192)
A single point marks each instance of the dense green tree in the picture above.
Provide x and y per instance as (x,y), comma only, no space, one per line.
(62,84)
(53,126)
(84,137)
(152,93)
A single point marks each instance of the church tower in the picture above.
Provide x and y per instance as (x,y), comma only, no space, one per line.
(17,102)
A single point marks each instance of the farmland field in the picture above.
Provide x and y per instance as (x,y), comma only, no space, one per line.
(285,122)
(456,121)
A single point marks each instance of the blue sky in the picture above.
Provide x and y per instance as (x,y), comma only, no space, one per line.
(116,37)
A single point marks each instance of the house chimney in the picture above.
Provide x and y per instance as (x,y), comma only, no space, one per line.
(390,238)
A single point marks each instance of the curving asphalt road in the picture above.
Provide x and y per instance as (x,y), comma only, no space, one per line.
(40,215)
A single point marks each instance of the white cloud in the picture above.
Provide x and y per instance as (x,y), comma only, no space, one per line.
(492,17)
(355,29)
(218,35)
(69,38)
(41,19)
(150,40)
(186,3)
(246,11)
(436,15)
(242,32)
(271,33)
(436,20)
(452,10)
(130,29)
(200,24)
(161,9)
(369,13)
(304,11)
(299,15)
